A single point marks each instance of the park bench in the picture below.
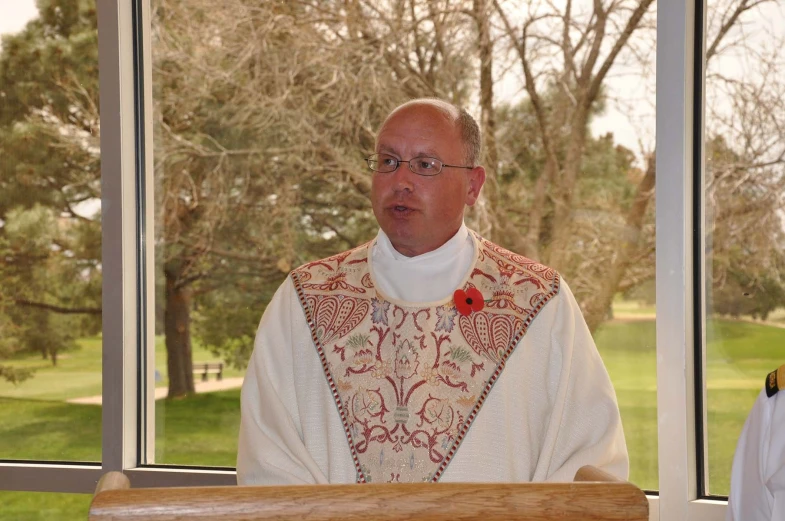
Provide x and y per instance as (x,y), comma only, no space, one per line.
(205,368)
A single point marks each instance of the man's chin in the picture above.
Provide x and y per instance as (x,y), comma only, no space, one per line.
(402,235)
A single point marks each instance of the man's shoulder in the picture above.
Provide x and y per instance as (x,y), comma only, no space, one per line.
(353,256)
(501,256)
(775,381)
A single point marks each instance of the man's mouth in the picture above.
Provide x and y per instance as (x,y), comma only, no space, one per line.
(401,209)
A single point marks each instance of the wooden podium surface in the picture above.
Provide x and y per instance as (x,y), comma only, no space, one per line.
(594,496)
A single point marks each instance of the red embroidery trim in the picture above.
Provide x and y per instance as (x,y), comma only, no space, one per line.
(476,304)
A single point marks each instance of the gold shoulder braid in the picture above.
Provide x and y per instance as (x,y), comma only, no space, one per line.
(775,381)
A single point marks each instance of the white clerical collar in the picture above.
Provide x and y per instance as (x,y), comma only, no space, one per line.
(445,252)
(427,278)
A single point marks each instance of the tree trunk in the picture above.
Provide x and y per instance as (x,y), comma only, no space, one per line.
(565,185)
(488,117)
(597,307)
(488,223)
(177,328)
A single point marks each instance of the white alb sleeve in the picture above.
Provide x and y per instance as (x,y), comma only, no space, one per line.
(585,424)
(271,449)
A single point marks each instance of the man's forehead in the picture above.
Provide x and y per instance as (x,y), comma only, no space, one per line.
(419,150)
(417,123)
(413,133)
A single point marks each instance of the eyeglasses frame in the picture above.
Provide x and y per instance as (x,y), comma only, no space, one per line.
(409,162)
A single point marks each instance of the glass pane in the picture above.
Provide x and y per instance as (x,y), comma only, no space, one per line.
(578,194)
(263,114)
(50,232)
(745,184)
(43,506)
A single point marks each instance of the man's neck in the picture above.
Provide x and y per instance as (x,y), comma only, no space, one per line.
(416,251)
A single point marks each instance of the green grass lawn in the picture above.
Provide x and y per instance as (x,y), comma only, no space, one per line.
(35,422)
(633,307)
(43,506)
(201,430)
(78,372)
(628,351)
(738,357)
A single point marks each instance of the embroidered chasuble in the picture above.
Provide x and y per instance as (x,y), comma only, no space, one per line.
(408,379)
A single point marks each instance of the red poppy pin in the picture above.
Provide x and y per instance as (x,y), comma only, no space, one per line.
(468,301)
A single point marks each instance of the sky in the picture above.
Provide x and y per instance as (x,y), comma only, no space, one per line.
(14,14)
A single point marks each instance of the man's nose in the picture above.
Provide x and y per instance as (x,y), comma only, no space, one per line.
(403,178)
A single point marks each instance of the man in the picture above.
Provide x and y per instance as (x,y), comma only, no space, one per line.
(429,353)
(757,486)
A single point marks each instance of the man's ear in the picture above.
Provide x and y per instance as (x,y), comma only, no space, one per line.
(476,180)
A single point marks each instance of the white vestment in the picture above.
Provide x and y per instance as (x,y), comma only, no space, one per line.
(757,487)
(552,410)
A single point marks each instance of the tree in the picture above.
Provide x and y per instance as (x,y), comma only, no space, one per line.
(565,53)
(556,193)
(267,93)
(256,159)
(745,162)
(49,243)
(263,111)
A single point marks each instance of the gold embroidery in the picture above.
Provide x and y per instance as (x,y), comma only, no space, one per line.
(775,381)
(409,381)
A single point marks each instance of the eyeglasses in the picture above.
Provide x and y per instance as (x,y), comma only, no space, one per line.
(427,166)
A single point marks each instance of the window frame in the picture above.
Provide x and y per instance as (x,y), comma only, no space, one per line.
(126,170)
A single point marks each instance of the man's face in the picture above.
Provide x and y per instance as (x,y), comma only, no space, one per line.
(418,213)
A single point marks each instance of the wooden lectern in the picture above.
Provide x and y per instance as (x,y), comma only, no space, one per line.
(593,496)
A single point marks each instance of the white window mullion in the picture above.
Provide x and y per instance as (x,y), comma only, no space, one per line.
(676,306)
(706,510)
(675,399)
(654,508)
(148,233)
(119,234)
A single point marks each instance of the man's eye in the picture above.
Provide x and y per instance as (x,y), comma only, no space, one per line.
(388,161)
(426,164)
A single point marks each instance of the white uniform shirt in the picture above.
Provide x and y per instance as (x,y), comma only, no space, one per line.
(757,487)
(552,410)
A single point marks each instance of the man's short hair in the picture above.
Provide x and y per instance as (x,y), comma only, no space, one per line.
(467,126)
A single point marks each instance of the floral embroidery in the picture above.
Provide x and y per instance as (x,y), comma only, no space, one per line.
(358,341)
(380,308)
(381,369)
(460,354)
(363,358)
(408,381)
(445,318)
(468,301)
(430,375)
(368,404)
(437,413)
(450,369)
(406,360)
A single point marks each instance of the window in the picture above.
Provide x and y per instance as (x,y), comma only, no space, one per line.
(184,171)
(50,235)
(258,168)
(744,240)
